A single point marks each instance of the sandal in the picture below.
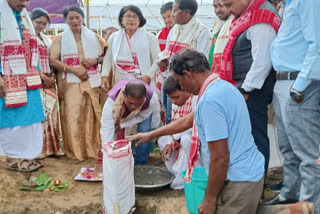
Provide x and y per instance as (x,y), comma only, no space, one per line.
(275,173)
(24,165)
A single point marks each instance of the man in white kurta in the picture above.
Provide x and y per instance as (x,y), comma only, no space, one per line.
(187,32)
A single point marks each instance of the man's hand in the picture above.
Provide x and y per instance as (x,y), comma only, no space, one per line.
(245,96)
(166,151)
(207,206)
(2,88)
(81,73)
(146,79)
(163,64)
(88,62)
(141,137)
(105,83)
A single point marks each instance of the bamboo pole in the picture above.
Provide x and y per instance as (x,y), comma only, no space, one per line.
(88,14)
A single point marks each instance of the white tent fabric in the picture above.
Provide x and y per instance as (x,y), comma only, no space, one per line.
(104,13)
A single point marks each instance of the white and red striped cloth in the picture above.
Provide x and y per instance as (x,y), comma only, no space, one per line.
(44,46)
(19,59)
(252,16)
(70,56)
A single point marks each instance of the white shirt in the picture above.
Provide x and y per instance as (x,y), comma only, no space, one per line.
(261,37)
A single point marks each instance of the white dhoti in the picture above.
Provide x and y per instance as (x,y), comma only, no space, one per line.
(22,141)
(176,165)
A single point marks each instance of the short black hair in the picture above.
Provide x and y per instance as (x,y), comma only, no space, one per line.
(135,89)
(190,5)
(72,8)
(189,60)
(134,9)
(167,6)
(170,85)
(39,12)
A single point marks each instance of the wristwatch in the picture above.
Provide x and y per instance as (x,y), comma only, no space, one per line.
(99,61)
(295,95)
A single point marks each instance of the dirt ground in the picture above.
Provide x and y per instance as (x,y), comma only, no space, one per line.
(80,197)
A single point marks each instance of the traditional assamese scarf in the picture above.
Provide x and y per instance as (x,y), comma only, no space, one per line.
(131,55)
(181,37)
(214,35)
(183,110)
(180,112)
(44,46)
(222,40)
(252,16)
(19,59)
(70,55)
(163,35)
(195,141)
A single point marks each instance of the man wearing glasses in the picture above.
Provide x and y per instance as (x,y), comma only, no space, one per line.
(187,32)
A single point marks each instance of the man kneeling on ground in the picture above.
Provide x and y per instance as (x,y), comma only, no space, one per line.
(130,103)
(175,148)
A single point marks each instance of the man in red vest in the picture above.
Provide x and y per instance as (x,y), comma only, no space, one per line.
(166,13)
(246,61)
(168,18)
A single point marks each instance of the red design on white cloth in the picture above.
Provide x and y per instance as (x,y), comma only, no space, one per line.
(252,16)
(44,59)
(22,56)
(128,66)
(183,110)
(195,141)
(178,113)
(163,38)
(71,60)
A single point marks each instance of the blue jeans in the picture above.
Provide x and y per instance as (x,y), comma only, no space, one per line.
(142,151)
(167,105)
(298,127)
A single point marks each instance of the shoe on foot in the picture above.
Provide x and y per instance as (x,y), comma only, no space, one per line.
(279,200)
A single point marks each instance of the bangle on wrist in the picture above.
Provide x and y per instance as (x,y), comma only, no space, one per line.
(64,69)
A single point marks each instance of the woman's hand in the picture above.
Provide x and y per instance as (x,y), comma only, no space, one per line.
(88,62)
(105,83)
(81,73)
(48,82)
(2,88)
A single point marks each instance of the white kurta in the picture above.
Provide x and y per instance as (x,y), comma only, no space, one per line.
(22,141)
(178,166)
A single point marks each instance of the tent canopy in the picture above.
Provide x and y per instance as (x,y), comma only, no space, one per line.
(104,13)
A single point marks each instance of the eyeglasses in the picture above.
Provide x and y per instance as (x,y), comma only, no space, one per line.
(135,17)
(174,12)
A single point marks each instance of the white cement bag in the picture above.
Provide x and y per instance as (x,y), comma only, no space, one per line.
(118,177)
